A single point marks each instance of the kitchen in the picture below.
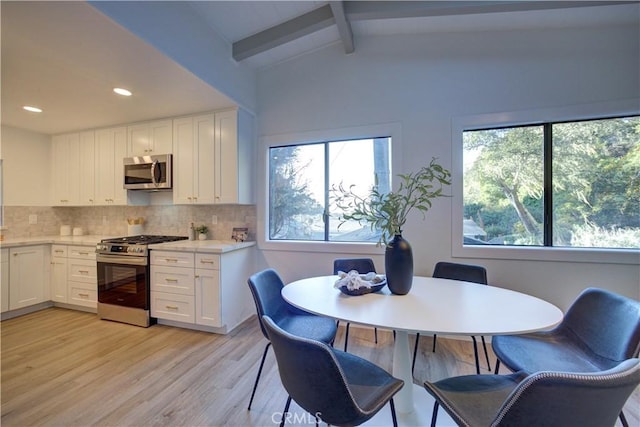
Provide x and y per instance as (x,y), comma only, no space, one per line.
(424,101)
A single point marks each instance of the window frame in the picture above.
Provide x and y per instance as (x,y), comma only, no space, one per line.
(392,130)
(583,112)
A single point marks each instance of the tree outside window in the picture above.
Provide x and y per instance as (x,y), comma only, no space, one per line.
(300,179)
(573,184)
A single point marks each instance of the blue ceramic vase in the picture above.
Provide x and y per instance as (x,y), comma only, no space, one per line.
(398,265)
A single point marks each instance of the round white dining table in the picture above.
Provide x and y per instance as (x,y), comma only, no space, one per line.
(433,306)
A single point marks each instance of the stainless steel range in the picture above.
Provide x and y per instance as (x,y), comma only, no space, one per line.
(123,278)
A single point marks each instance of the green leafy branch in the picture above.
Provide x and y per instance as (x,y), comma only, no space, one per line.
(388,212)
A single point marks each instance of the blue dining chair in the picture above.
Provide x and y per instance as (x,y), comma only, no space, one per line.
(544,398)
(334,386)
(362,266)
(266,287)
(599,330)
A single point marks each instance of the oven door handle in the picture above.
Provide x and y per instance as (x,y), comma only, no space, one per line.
(121,259)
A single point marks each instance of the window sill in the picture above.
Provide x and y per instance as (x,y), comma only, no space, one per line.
(588,255)
(326,247)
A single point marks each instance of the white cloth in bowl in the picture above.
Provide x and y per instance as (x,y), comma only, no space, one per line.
(354,280)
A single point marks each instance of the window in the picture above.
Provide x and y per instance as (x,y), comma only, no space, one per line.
(563,184)
(300,179)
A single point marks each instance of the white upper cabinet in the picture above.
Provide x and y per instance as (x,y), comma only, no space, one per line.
(194,160)
(73,169)
(111,149)
(66,170)
(87,171)
(212,160)
(150,138)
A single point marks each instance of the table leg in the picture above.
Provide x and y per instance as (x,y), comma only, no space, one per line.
(402,370)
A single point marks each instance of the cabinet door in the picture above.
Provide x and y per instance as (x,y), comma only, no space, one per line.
(138,140)
(184,160)
(111,149)
(151,138)
(27,281)
(161,137)
(66,170)
(206,159)
(58,279)
(194,160)
(226,153)
(4,280)
(87,172)
(208,297)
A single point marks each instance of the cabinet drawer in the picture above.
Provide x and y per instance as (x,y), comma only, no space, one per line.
(208,261)
(80,295)
(173,307)
(59,251)
(80,270)
(174,259)
(172,280)
(82,252)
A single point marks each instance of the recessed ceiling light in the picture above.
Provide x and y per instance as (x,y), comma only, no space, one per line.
(121,91)
(32,109)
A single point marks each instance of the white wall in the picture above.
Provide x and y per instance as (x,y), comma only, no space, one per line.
(425,82)
(26,158)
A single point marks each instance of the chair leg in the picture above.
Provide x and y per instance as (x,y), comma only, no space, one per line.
(623,420)
(255,386)
(415,351)
(346,336)
(497,366)
(375,334)
(433,350)
(434,414)
(475,353)
(393,413)
(486,355)
(286,410)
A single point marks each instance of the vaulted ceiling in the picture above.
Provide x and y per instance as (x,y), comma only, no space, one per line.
(66,56)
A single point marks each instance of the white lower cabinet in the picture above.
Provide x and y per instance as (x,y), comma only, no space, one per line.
(74,275)
(28,284)
(59,273)
(82,282)
(172,286)
(4,280)
(207,292)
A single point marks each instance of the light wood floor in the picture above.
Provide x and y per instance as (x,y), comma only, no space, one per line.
(67,368)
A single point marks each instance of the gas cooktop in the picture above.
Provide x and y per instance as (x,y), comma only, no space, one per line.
(144,239)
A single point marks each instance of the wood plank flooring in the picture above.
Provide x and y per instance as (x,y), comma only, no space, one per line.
(68,368)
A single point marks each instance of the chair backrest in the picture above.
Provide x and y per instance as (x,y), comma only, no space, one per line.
(312,376)
(608,324)
(362,265)
(266,287)
(463,272)
(570,399)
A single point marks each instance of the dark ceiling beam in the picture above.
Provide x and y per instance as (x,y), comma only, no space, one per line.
(282,33)
(344,26)
(342,13)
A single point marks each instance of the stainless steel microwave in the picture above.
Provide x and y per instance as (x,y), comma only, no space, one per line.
(148,172)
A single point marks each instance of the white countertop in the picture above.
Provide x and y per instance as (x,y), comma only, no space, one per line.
(207,246)
(88,240)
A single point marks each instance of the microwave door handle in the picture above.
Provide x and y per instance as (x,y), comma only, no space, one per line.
(155,170)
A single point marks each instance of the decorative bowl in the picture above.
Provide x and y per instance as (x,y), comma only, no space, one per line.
(364,289)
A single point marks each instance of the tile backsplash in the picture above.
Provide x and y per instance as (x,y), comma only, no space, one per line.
(112,220)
